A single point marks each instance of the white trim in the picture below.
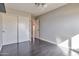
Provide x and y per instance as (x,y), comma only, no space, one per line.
(14,43)
(48,41)
(1,47)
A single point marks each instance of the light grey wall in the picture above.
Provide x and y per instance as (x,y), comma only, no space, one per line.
(0,31)
(60,24)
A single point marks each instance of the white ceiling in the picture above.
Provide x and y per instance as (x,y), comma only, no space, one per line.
(31,8)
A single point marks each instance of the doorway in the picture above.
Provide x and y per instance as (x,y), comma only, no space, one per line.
(35,29)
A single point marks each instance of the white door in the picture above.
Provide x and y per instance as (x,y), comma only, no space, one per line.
(23,29)
(9,29)
(15,29)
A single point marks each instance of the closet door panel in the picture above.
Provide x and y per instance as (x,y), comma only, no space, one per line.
(9,29)
(23,28)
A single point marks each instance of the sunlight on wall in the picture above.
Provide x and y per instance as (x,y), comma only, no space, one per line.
(58,40)
(62,44)
(75,42)
(65,45)
(74,54)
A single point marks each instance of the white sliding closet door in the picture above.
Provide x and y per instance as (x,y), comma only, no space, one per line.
(23,29)
(9,29)
(15,29)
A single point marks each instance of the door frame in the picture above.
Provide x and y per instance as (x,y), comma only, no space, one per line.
(35,20)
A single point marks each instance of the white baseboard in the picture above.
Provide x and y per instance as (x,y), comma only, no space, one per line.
(48,41)
(15,42)
(0,48)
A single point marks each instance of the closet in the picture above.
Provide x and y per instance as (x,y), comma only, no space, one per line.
(16,28)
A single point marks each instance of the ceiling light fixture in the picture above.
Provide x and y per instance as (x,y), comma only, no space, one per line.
(41,4)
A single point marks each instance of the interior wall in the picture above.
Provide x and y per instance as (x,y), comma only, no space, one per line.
(0,31)
(60,24)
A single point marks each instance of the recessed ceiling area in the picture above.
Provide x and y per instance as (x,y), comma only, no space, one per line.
(34,10)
